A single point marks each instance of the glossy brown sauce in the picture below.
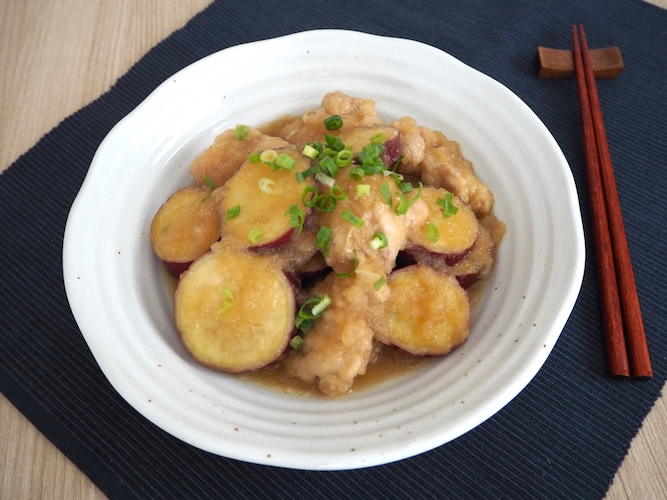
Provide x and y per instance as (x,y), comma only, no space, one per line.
(389,363)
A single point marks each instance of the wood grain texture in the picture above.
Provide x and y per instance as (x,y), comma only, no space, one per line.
(56,57)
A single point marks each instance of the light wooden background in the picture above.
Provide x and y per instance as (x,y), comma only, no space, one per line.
(55,57)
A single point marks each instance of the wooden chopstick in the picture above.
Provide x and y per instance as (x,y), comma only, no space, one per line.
(625,337)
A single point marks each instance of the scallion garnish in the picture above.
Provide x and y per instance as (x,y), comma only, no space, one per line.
(370,159)
(255,235)
(207,180)
(321,305)
(297,342)
(354,269)
(312,309)
(267,185)
(300,176)
(397,163)
(398,178)
(363,190)
(379,241)
(233,212)
(447,204)
(227,300)
(324,203)
(296,217)
(325,179)
(323,240)
(334,143)
(334,122)
(404,204)
(309,151)
(285,161)
(357,174)
(378,138)
(386,193)
(308,196)
(328,166)
(254,158)
(379,283)
(268,156)
(432,232)
(352,219)
(241,132)
(343,158)
(338,193)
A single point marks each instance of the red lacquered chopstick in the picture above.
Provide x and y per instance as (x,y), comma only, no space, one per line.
(620,302)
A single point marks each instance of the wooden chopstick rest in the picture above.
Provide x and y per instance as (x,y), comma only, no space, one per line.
(557,64)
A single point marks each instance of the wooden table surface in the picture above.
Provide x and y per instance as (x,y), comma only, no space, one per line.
(56,57)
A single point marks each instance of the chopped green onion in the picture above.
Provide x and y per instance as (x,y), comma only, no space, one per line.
(397,163)
(227,301)
(319,307)
(254,158)
(312,309)
(432,232)
(309,151)
(447,204)
(379,241)
(343,158)
(380,283)
(207,180)
(308,196)
(297,342)
(285,161)
(357,174)
(334,143)
(296,217)
(323,240)
(378,138)
(338,193)
(325,203)
(267,185)
(370,157)
(398,178)
(241,132)
(406,187)
(319,147)
(328,166)
(255,235)
(386,193)
(404,204)
(363,190)
(233,212)
(354,269)
(334,122)
(325,179)
(352,219)
(300,176)
(268,156)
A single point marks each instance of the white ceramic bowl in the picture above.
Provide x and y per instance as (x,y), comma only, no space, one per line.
(117,291)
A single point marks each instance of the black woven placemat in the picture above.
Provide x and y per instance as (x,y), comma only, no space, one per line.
(564,436)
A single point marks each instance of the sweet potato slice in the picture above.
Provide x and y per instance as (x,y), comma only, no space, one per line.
(184,228)
(253,205)
(478,263)
(427,313)
(235,310)
(448,232)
